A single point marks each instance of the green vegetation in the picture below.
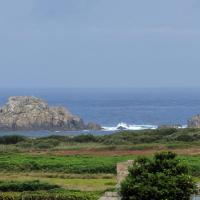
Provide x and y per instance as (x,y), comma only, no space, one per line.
(52,195)
(12,139)
(67,164)
(76,164)
(165,138)
(81,182)
(160,178)
(83,166)
(164,135)
(18,186)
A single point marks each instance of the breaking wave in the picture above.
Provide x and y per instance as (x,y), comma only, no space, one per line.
(124,126)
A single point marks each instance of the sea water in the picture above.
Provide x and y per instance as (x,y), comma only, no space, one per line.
(136,108)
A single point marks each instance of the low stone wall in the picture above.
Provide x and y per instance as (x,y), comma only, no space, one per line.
(122,172)
(110,196)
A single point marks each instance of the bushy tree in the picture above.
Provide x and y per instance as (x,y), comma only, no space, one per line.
(162,178)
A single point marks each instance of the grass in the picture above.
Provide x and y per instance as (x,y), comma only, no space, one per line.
(75,164)
(194,164)
(166,138)
(78,182)
(86,164)
(30,185)
(66,164)
(53,195)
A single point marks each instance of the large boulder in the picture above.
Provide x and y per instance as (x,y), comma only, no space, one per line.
(31,113)
(194,122)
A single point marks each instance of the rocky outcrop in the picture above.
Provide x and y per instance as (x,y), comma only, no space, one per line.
(93,126)
(31,113)
(194,122)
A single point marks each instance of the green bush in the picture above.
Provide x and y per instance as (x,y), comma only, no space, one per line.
(46,144)
(16,186)
(185,138)
(163,177)
(61,138)
(39,143)
(12,139)
(84,138)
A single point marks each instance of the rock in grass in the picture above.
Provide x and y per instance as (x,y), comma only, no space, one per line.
(32,113)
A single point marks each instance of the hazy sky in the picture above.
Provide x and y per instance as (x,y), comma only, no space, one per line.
(99,43)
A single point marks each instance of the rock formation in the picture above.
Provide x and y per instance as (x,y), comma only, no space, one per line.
(93,126)
(194,122)
(31,113)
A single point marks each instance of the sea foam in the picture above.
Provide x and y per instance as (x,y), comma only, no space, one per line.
(125,126)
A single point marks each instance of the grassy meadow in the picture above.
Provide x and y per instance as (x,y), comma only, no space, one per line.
(84,167)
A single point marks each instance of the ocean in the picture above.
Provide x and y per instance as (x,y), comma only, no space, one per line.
(136,108)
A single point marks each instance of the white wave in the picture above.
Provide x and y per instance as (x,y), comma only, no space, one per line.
(124,126)
(184,126)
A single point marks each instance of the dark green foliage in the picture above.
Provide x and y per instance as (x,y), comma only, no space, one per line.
(51,195)
(137,137)
(11,139)
(163,177)
(186,138)
(162,135)
(55,140)
(159,136)
(84,138)
(16,186)
(39,143)
(77,138)
(60,138)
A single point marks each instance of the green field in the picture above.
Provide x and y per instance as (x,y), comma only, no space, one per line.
(67,164)
(76,164)
(84,167)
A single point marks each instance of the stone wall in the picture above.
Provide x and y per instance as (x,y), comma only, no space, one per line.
(110,196)
(122,172)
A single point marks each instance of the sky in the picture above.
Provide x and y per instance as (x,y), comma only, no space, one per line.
(99,43)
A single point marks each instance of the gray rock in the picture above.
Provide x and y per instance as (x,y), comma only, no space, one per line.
(31,113)
(93,126)
(194,122)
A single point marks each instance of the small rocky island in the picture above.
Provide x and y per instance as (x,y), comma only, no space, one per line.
(32,113)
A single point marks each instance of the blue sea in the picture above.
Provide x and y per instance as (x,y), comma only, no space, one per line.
(138,108)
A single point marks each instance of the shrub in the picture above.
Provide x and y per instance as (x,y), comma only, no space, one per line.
(46,144)
(164,177)
(61,138)
(84,138)
(39,143)
(12,139)
(16,186)
(185,138)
